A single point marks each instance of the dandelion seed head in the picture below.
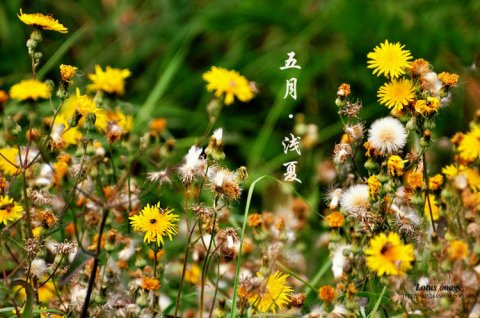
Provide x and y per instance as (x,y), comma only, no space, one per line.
(387,135)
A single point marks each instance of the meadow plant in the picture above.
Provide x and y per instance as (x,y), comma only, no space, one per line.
(87,231)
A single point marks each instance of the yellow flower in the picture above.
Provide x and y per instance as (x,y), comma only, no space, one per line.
(124,122)
(79,106)
(111,81)
(396,94)
(457,250)
(156,223)
(30,89)
(193,274)
(448,79)
(427,107)
(273,293)
(9,209)
(473,178)
(395,165)
(388,255)
(469,147)
(373,186)
(45,292)
(433,205)
(67,72)
(7,165)
(389,59)
(452,170)
(39,20)
(415,179)
(335,219)
(69,136)
(230,83)
(150,283)
(435,182)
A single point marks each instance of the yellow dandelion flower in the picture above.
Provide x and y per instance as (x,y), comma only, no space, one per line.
(395,165)
(111,81)
(473,178)
(9,161)
(273,294)
(79,106)
(116,117)
(193,274)
(389,59)
(45,293)
(373,186)
(41,21)
(469,146)
(433,205)
(396,94)
(335,219)
(67,72)
(69,136)
(388,255)
(452,170)
(156,223)
(30,89)
(230,83)
(427,107)
(457,250)
(9,209)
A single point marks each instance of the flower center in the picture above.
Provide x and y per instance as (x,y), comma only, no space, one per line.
(388,250)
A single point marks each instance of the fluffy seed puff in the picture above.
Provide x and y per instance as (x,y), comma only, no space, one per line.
(355,199)
(225,183)
(194,165)
(387,135)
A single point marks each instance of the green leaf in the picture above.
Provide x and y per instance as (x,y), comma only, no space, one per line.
(377,304)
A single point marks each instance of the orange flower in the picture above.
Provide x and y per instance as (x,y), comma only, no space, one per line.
(150,283)
(457,250)
(415,179)
(326,293)
(335,219)
(255,220)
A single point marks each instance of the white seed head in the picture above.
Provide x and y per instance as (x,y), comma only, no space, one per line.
(387,135)
(355,199)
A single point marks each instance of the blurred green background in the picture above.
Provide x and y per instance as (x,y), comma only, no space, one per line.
(169,44)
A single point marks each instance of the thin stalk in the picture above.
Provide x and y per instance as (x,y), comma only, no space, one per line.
(216,289)
(182,278)
(204,269)
(91,281)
